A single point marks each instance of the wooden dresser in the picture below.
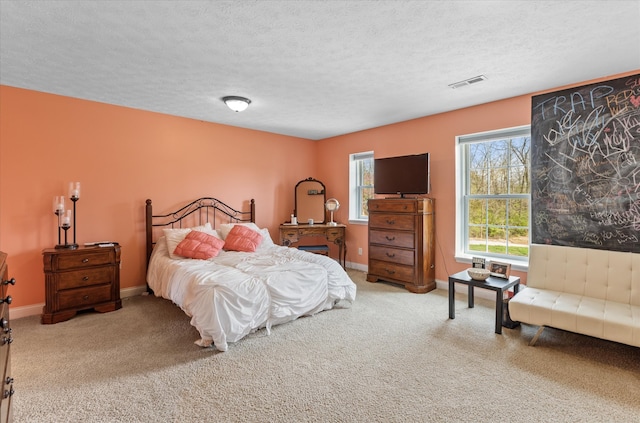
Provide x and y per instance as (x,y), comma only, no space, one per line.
(5,342)
(80,279)
(401,242)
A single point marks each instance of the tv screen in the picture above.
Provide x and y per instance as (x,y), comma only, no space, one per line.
(402,175)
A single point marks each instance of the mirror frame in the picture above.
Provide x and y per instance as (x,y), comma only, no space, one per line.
(302,220)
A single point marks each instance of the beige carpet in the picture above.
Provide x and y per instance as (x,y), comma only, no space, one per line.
(392,357)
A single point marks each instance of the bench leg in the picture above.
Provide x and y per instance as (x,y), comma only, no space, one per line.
(536,336)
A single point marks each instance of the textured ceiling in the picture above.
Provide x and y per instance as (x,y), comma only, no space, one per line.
(313,69)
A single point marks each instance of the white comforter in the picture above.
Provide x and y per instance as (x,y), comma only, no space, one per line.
(236,293)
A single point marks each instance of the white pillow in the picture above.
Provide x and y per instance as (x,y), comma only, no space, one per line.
(175,236)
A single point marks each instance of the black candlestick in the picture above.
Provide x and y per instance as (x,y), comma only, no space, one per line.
(74,199)
(58,213)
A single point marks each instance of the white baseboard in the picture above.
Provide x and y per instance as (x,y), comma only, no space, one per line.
(444,285)
(35,309)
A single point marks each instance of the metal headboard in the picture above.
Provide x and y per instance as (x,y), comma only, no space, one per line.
(200,211)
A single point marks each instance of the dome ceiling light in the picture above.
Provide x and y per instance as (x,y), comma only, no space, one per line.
(235,103)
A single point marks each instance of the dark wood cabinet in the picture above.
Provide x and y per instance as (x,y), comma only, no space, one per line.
(6,338)
(401,242)
(80,279)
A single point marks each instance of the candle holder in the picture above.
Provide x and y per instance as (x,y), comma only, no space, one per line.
(64,221)
(74,196)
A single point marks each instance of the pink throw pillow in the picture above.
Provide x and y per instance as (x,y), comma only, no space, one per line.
(199,245)
(241,238)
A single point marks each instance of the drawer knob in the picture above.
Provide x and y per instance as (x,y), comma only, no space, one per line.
(6,340)
(391,222)
(390,271)
(8,393)
(85,298)
(85,278)
(6,300)
(11,281)
(390,255)
(390,238)
(85,260)
(4,323)
(8,380)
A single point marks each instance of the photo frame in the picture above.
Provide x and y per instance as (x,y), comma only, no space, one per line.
(499,269)
(478,263)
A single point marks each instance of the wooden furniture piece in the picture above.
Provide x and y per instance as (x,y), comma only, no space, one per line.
(5,342)
(291,234)
(499,285)
(80,279)
(401,242)
(286,283)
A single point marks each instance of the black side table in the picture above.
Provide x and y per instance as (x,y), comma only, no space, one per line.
(499,285)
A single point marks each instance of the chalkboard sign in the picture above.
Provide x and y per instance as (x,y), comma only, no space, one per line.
(585,166)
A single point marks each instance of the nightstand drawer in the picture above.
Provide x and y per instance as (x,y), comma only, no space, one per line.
(75,261)
(78,298)
(394,255)
(392,238)
(404,222)
(86,277)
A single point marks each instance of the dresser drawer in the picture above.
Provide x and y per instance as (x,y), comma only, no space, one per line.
(85,277)
(385,269)
(75,261)
(403,222)
(394,255)
(392,238)
(79,297)
(394,205)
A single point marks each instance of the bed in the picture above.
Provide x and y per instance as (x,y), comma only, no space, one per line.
(229,276)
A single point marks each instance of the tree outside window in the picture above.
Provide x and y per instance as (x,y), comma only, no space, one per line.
(497,194)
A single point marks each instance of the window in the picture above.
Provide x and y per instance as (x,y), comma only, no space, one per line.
(494,182)
(360,185)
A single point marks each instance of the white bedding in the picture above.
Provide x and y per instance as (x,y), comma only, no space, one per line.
(236,293)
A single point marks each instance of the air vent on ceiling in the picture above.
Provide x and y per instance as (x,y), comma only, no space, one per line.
(469,81)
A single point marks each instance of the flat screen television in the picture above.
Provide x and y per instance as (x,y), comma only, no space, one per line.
(402,175)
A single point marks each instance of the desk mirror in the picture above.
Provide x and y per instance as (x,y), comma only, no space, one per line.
(310,197)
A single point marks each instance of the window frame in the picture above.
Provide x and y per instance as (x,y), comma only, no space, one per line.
(356,186)
(462,198)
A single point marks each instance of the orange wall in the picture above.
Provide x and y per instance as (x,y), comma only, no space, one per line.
(436,135)
(123,156)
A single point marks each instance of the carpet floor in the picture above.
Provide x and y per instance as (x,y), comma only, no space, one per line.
(393,356)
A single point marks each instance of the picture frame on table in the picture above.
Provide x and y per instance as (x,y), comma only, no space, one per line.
(499,269)
(478,262)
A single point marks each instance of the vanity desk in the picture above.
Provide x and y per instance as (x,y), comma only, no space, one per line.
(291,234)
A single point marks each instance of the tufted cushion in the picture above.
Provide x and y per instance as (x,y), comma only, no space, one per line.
(173,237)
(241,238)
(225,228)
(199,245)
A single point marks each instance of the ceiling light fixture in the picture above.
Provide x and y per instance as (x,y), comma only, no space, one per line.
(235,103)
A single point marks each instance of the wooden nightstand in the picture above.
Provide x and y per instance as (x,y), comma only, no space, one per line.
(80,279)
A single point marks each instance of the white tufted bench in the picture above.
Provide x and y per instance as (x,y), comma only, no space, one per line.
(582,290)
